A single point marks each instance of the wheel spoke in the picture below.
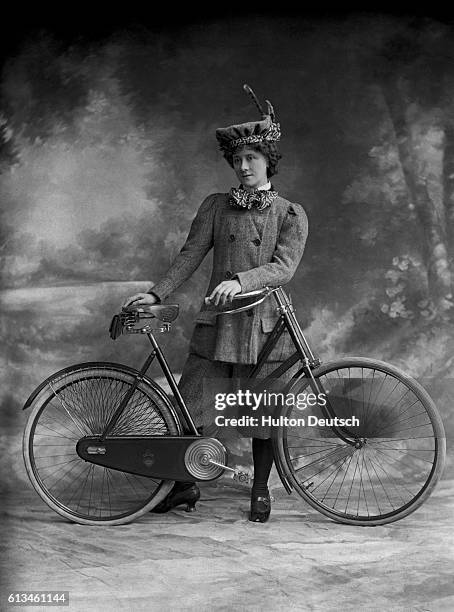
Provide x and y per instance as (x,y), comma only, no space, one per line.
(391,470)
(80,403)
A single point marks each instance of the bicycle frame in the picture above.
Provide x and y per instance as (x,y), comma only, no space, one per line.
(303,354)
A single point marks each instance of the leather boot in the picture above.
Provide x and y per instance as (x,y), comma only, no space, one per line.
(260,507)
(182,493)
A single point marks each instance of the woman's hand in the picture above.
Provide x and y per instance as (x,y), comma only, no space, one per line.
(224,292)
(140,299)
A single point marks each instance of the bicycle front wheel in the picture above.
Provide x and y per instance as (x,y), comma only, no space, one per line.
(79,401)
(399,443)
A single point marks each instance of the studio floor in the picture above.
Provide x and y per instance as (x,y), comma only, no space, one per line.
(215,559)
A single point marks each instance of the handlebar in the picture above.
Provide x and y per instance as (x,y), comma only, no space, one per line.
(137,319)
(264,292)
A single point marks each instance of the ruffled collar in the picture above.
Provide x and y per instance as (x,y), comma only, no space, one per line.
(258,198)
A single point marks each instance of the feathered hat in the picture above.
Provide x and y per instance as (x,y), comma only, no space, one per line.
(266,130)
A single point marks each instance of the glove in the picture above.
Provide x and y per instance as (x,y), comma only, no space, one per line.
(116,327)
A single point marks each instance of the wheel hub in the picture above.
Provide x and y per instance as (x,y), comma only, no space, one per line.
(360,442)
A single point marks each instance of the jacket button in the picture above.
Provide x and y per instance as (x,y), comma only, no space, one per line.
(231,237)
(257,241)
(228,274)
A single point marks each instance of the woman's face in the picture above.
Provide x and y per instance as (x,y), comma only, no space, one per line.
(250,167)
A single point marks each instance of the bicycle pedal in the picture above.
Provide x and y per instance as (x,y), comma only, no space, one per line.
(242,477)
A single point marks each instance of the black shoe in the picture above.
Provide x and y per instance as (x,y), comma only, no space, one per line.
(182,493)
(260,508)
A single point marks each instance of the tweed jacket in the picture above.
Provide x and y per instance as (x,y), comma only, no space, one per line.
(258,248)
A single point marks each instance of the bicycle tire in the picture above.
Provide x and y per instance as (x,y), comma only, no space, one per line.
(80,400)
(402,452)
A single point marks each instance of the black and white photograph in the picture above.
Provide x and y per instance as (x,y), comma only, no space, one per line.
(227,310)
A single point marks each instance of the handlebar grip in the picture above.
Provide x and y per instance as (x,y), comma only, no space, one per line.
(248,294)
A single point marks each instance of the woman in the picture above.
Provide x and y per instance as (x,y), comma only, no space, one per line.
(258,239)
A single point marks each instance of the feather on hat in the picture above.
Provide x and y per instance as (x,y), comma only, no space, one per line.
(252,132)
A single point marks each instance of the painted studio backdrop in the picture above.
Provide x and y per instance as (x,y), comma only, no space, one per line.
(108,148)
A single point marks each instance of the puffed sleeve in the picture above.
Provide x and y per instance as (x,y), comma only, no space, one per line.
(197,245)
(286,257)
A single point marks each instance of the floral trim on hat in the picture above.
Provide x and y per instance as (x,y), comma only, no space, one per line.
(272,134)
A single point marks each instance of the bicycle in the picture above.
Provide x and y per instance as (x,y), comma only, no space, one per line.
(104,443)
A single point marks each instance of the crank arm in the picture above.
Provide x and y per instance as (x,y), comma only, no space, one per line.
(239,476)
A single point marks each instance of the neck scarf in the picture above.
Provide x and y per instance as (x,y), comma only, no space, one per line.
(258,198)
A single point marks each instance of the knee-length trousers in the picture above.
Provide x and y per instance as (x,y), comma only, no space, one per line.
(198,395)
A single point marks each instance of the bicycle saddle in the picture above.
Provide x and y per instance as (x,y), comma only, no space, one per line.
(163,312)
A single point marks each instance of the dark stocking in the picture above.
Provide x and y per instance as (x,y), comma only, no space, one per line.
(262,454)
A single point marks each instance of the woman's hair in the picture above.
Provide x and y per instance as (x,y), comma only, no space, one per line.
(268,149)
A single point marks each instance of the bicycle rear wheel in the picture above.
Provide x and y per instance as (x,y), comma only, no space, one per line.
(80,401)
(400,443)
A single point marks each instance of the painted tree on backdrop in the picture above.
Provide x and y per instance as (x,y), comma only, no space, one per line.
(414,73)
(7,157)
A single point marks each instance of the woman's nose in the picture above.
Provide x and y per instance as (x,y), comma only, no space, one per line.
(244,164)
